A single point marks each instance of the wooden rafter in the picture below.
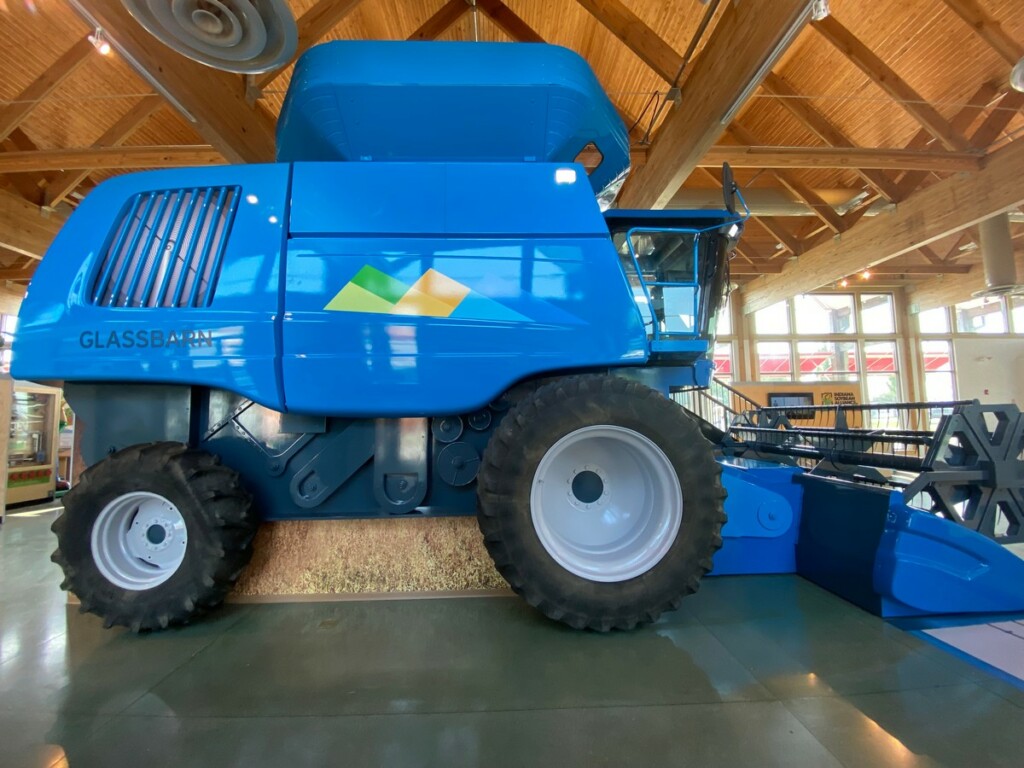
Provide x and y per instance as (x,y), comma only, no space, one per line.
(836,157)
(887,79)
(21,106)
(933,213)
(637,36)
(23,227)
(214,100)
(441,21)
(28,187)
(109,157)
(823,128)
(509,22)
(117,134)
(961,122)
(313,25)
(999,118)
(921,269)
(988,29)
(805,194)
(723,73)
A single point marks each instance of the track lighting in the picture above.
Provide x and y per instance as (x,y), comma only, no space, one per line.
(100,42)
(865,275)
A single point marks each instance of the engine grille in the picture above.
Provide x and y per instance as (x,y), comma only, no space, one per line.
(166,249)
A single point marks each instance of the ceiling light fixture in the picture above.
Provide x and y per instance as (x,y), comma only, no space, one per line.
(144,73)
(843,283)
(865,275)
(1017,76)
(820,10)
(100,42)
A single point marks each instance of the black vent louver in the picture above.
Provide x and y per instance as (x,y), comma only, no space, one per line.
(166,249)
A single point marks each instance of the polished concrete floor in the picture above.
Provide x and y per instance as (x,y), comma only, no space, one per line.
(756,671)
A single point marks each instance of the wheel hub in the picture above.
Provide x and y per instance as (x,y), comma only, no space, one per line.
(606,503)
(139,540)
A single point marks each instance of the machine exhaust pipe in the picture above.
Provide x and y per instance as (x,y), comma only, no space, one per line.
(997,258)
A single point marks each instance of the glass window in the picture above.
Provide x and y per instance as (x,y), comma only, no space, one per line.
(1017,312)
(823,314)
(933,320)
(939,381)
(773,320)
(723,320)
(876,313)
(774,361)
(881,372)
(723,361)
(984,315)
(827,360)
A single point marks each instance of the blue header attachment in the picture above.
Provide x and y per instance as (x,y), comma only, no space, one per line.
(442,101)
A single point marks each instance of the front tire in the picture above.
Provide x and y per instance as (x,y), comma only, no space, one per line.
(600,502)
(153,535)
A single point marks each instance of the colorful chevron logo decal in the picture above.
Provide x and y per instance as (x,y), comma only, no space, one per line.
(433,295)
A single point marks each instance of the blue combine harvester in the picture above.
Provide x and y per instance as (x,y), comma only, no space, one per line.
(421,309)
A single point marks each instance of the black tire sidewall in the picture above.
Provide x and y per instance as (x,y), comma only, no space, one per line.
(560,409)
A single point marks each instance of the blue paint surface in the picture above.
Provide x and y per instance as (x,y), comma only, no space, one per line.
(763,507)
(427,101)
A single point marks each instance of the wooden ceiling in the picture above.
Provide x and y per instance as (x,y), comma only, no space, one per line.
(836,146)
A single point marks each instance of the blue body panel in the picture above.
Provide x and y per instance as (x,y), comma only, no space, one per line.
(428,101)
(542,276)
(62,336)
(927,565)
(763,507)
(539,288)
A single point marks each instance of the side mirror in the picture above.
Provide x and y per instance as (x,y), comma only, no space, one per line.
(729,188)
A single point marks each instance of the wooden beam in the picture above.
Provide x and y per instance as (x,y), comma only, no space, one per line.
(737,267)
(810,198)
(25,229)
(313,25)
(805,194)
(29,187)
(726,72)
(18,274)
(21,106)
(115,135)
(943,291)
(509,22)
(823,128)
(988,29)
(776,229)
(975,105)
(109,157)
(214,99)
(999,118)
(441,21)
(921,269)
(940,210)
(884,77)
(929,253)
(638,37)
(836,157)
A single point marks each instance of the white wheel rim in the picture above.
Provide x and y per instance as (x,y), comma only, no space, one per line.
(606,503)
(139,540)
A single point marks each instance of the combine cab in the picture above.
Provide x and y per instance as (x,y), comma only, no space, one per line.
(420,309)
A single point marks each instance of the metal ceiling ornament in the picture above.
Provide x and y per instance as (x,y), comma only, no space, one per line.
(244,36)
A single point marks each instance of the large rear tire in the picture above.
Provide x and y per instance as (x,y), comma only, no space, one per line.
(600,502)
(154,535)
